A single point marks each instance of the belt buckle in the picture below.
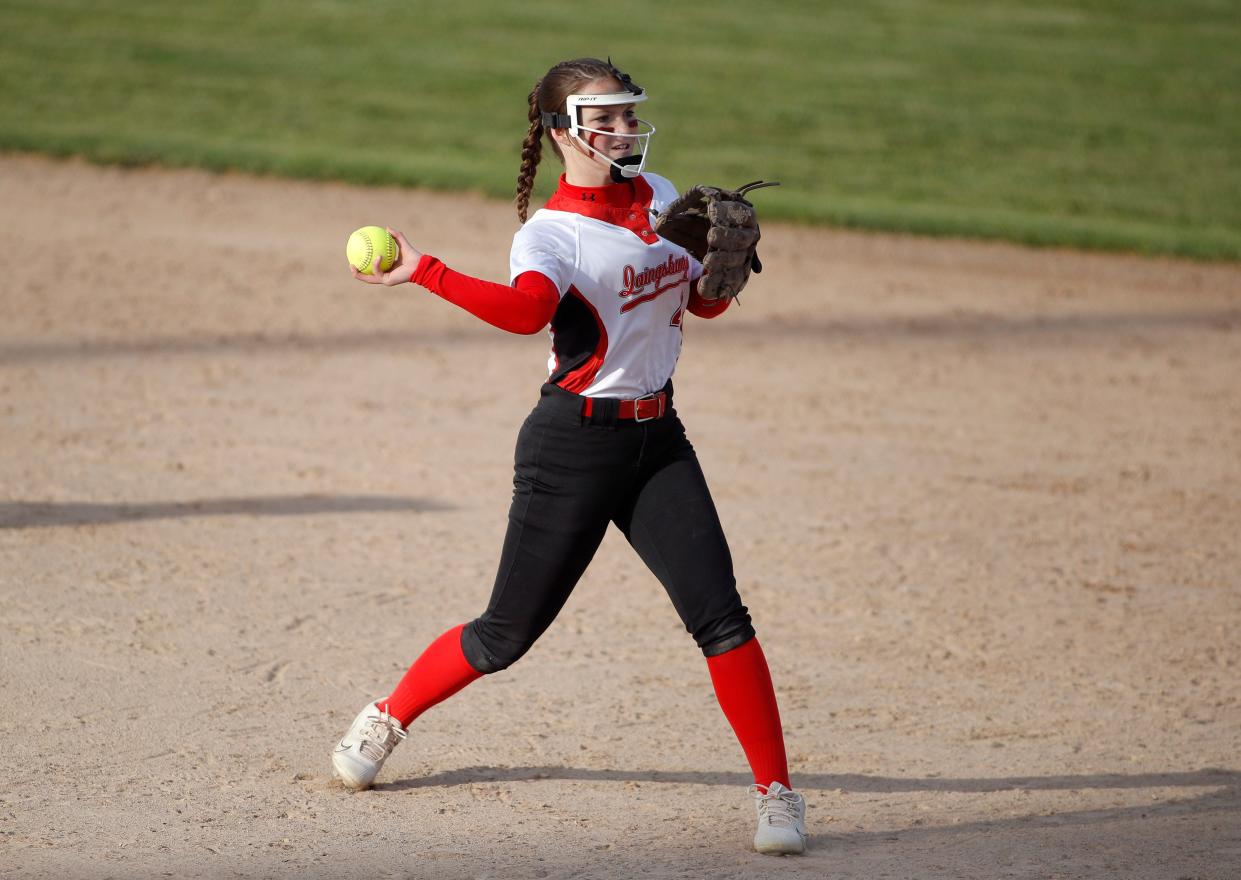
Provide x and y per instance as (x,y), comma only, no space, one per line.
(655,396)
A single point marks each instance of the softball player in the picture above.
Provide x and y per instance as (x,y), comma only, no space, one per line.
(604,443)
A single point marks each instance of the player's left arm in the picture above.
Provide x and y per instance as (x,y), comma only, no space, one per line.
(706,308)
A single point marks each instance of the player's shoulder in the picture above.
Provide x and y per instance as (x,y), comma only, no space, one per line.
(545,223)
(662,190)
(548,231)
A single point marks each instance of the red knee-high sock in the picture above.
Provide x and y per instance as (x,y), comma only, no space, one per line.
(743,686)
(436,675)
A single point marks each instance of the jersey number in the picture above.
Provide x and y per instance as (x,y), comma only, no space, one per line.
(676,318)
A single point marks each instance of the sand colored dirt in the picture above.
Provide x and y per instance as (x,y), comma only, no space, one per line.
(984,503)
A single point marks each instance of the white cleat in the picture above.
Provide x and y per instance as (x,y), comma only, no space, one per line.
(364,748)
(781,820)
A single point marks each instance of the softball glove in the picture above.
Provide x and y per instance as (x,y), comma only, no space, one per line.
(720,228)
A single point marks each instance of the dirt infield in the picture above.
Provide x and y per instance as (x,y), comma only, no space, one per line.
(984,503)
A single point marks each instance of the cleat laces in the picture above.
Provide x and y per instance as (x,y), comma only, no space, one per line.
(776,809)
(379,737)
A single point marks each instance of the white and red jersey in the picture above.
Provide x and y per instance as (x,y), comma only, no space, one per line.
(623,289)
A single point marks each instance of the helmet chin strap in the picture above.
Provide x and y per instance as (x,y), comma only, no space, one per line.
(626,168)
(622,169)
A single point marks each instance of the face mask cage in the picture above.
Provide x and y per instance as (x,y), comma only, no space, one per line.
(627,166)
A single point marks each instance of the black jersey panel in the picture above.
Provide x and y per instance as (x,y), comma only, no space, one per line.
(579,342)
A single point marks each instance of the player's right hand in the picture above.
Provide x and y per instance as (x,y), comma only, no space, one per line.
(402,269)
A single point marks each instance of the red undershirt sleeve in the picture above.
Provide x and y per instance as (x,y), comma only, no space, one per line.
(526,307)
(703,309)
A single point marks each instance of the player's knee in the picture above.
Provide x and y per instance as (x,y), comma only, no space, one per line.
(722,634)
(489,650)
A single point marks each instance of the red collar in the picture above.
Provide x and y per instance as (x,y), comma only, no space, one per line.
(621,204)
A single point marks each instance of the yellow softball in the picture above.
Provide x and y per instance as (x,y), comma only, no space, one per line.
(367,243)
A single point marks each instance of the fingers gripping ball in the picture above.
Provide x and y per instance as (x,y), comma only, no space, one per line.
(366,245)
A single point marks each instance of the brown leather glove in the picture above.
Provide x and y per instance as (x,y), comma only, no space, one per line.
(720,228)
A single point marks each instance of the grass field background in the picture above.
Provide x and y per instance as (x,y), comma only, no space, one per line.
(1096,124)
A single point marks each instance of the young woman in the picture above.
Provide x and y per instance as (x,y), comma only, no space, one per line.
(604,444)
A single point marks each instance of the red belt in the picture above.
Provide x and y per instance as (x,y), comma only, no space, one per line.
(652,406)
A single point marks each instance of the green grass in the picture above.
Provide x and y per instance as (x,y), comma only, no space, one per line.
(1090,123)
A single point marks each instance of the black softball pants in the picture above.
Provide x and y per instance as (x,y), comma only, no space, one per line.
(574,475)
